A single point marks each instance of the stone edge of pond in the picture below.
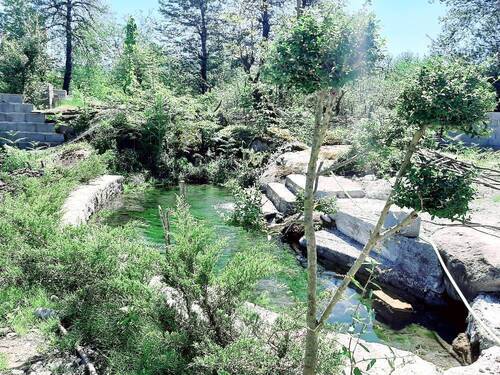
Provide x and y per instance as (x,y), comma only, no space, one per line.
(88,199)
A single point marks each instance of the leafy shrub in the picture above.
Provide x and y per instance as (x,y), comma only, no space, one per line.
(247,207)
(441,192)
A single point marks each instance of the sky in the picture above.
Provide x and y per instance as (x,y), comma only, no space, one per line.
(407,25)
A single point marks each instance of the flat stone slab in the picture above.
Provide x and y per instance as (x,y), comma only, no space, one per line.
(267,208)
(356,218)
(335,248)
(473,258)
(282,198)
(331,186)
(487,308)
(296,162)
(88,199)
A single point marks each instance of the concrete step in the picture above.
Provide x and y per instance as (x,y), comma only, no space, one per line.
(282,198)
(334,186)
(32,136)
(11,98)
(34,145)
(356,218)
(335,249)
(267,208)
(22,117)
(16,107)
(32,127)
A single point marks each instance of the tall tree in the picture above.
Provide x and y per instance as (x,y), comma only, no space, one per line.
(23,49)
(69,20)
(471,31)
(193,27)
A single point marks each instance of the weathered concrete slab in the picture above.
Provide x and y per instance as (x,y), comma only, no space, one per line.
(16,107)
(30,127)
(473,258)
(267,208)
(282,198)
(487,308)
(335,249)
(88,199)
(22,117)
(11,98)
(356,218)
(332,186)
(33,136)
(296,162)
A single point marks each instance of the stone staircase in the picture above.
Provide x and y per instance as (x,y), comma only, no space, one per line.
(21,127)
(404,261)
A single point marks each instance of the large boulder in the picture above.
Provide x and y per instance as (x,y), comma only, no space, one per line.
(473,258)
(296,162)
(407,265)
(486,307)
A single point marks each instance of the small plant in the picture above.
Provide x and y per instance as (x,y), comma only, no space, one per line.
(247,210)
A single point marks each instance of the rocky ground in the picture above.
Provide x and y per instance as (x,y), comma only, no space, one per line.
(32,354)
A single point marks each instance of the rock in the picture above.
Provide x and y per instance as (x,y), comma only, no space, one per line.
(472,257)
(282,198)
(487,309)
(406,264)
(392,311)
(333,186)
(335,249)
(487,364)
(88,199)
(377,189)
(45,313)
(267,208)
(462,347)
(296,162)
(356,218)
(259,145)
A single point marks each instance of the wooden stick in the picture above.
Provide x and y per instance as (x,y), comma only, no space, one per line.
(90,367)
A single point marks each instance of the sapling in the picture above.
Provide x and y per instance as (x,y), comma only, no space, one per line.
(317,56)
(442,95)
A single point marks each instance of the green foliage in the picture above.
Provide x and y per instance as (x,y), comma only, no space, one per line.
(247,207)
(441,192)
(451,95)
(323,52)
(24,61)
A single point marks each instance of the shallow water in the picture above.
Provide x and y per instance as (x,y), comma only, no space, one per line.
(208,202)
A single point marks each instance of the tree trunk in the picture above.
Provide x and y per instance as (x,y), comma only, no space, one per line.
(323,113)
(299,8)
(376,236)
(266,24)
(68,69)
(204,51)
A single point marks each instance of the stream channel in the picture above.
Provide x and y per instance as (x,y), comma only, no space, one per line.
(279,292)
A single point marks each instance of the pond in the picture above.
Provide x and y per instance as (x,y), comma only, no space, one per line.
(208,203)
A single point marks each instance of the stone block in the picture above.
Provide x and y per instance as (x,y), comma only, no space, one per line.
(356,218)
(282,198)
(487,308)
(333,186)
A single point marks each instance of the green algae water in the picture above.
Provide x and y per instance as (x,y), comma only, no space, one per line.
(210,203)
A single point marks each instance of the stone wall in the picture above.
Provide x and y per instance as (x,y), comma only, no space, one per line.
(90,198)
